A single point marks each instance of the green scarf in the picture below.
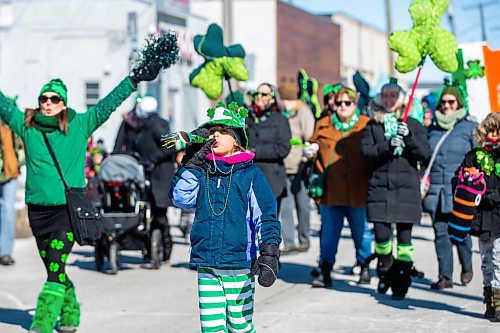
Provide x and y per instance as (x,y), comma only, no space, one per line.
(49,124)
(340,126)
(448,121)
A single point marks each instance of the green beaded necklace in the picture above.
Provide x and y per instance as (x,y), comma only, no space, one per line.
(487,162)
(227,195)
(340,126)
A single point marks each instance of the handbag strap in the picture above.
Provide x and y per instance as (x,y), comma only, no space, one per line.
(435,152)
(53,156)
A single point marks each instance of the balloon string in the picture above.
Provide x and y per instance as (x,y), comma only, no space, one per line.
(408,106)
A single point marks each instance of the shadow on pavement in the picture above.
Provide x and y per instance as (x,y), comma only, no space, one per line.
(406,304)
(295,273)
(15,317)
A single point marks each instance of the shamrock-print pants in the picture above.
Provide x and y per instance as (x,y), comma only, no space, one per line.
(54,249)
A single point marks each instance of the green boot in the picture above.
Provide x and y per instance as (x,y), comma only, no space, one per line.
(70,312)
(50,302)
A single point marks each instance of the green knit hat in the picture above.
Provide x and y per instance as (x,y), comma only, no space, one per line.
(452,90)
(230,116)
(56,86)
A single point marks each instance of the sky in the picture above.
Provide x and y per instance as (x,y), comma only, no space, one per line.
(467,21)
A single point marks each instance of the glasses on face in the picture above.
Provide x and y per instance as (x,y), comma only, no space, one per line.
(220,129)
(346,103)
(256,93)
(449,101)
(54,99)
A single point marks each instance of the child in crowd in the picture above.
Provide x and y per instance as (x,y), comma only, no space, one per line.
(476,206)
(234,206)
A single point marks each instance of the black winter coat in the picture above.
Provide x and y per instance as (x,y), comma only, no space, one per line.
(269,137)
(124,143)
(487,221)
(149,146)
(394,187)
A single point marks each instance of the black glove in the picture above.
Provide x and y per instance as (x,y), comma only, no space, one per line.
(196,153)
(203,132)
(267,264)
(145,73)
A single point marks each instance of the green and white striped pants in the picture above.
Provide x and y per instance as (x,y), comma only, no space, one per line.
(226,300)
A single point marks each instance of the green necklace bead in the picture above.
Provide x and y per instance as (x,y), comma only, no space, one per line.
(227,195)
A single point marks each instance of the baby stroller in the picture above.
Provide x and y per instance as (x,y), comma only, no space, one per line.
(126,213)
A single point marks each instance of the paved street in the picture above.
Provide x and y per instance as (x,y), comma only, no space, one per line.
(147,301)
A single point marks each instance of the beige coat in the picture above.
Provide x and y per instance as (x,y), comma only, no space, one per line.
(302,127)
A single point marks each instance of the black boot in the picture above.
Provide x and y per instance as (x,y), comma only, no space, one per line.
(383,265)
(400,276)
(324,280)
(488,300)
(364,275)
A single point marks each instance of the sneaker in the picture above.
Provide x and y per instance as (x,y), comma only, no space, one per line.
(442,283)
(466,276)
(364,275)
(6,260)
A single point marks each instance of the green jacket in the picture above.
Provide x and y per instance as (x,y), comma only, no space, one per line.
(43,184)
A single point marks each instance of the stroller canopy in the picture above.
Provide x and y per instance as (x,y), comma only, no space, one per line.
(120,168)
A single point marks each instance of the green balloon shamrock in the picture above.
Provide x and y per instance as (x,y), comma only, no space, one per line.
(220,62)
(426,38)
(474,69)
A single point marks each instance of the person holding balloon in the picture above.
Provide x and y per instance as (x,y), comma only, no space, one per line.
(392,149)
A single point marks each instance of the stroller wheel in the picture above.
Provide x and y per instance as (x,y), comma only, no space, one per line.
(156,248)
(113,258)
(99,257)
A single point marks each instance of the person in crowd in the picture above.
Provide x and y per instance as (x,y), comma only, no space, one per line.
(127,132)
(301,122)
(67,132)
(393,149)
(158,162)
(485,219)
(234,206)
(451,117)
(336,143)
(269,137)
(11,158)
(329,99)
(429,106)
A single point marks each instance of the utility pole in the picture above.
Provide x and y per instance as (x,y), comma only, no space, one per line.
(389,31)
(481,7)
(228,21)
(451,18)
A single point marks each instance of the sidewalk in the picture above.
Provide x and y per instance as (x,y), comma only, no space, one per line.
(140,300)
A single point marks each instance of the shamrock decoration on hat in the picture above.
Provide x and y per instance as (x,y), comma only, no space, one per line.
(426,38)
(308,92)
(231,116)
(220,62)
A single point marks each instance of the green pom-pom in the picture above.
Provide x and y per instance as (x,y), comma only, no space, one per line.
(160,49)
(211,113)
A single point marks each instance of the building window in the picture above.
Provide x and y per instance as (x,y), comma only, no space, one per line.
(91,93)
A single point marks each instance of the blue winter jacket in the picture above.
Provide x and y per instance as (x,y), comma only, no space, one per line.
(227,240)
(448,159)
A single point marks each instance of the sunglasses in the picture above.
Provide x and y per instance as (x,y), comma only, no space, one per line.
(54,99)
(451,102)
(346,103)
(220,129)
(263,94)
